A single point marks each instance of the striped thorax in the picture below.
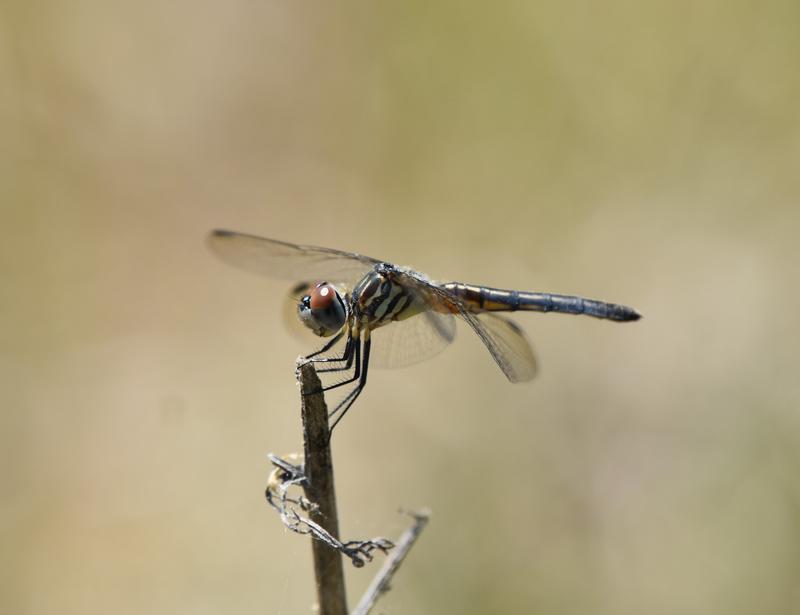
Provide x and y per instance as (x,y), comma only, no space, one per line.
(379,299)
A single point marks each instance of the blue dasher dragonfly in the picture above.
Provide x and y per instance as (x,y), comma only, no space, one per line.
(352,297)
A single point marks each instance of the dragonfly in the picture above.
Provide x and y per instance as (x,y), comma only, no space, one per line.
(350,297)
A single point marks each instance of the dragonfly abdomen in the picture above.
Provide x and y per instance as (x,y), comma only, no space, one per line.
(485,299)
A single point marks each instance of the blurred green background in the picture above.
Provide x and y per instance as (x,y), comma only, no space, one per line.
(644,153)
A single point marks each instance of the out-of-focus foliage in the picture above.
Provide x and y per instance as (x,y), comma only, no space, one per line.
(645,153)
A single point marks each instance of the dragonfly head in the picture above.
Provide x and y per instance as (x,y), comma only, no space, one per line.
(323,310)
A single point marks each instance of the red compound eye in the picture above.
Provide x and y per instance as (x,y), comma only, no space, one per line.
(322,297)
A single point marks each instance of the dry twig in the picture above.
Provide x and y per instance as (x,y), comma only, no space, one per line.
(382,581)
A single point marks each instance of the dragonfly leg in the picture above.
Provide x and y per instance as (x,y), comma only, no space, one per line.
(356,343)
(326,348)
(347,357)
(345,404)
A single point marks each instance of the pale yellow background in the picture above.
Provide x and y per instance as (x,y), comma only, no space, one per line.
(642,152)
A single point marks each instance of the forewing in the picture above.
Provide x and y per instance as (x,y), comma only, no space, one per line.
(405,342)
(279,259)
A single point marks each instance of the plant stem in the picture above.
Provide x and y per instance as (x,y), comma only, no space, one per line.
(319,489)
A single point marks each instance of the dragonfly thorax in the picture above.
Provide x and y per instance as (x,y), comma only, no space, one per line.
(379,298)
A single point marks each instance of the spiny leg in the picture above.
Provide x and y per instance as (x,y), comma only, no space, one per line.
(327,347)
(347,357)
(345,404)
(356,371)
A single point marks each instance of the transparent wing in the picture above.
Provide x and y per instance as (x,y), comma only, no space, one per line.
(505,341)
(279,259)
(405,342)
(509,346)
